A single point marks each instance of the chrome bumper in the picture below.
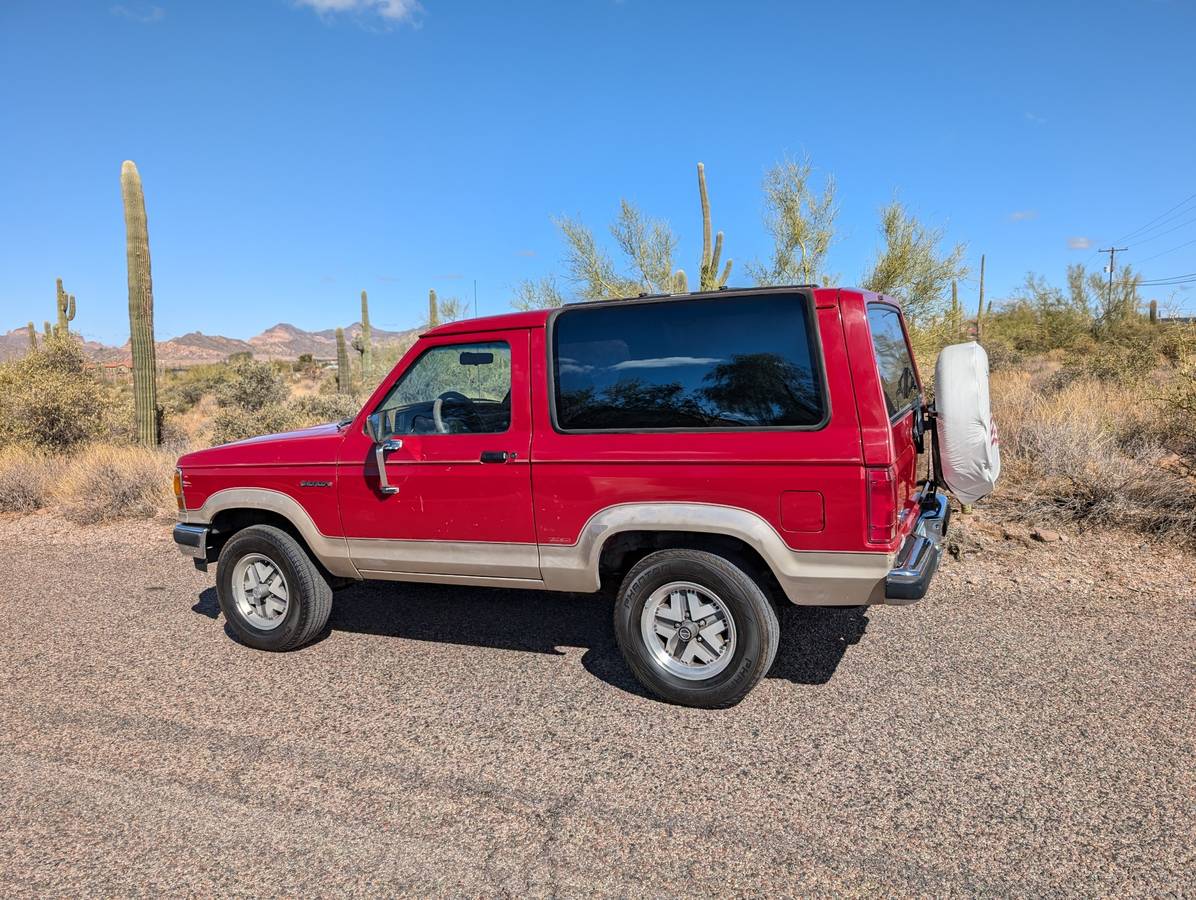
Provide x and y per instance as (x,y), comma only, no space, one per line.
(192,540)
(918,558)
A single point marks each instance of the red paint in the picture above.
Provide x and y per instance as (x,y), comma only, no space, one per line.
(860,466)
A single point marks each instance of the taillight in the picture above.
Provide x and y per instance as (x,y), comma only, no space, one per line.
(882,504)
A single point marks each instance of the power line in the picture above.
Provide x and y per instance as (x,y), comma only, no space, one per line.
(1146,227)
(1161,282)
(1143,240)
(1165,252)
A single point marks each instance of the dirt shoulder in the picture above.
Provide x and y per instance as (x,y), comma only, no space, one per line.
(1027,728)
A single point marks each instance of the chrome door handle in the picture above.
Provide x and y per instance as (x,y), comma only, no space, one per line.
(380,451)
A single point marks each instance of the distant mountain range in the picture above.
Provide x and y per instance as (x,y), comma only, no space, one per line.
(283,341)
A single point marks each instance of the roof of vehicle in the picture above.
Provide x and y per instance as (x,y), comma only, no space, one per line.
(536,318)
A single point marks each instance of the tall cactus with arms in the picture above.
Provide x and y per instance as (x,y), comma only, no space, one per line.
(710,279)
(66,309)
(361,343)
(141,306)
(32,336)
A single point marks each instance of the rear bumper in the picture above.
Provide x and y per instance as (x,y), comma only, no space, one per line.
(192,540)
(918,558)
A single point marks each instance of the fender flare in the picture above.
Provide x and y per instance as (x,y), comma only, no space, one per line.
(331,552)
(807,577)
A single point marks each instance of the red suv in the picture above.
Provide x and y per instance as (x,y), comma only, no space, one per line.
(708,455)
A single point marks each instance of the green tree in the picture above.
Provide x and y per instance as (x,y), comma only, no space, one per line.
(911,267)
(647,244)
(801,222)
(541,294)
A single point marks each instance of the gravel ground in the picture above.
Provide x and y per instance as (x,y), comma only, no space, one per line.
(1027,729)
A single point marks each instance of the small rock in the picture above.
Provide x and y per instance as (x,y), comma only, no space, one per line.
(1046,535)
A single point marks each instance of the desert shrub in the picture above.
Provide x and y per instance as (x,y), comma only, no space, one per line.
(181,391)
(49,400)
(26,479)
(325,408)
(1091,452)
(234,424)
(250,385)
(1179,406)
(103,483)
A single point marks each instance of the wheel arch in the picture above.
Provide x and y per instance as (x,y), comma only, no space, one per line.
(235,509)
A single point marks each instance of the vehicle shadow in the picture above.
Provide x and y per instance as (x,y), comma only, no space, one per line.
(813,639)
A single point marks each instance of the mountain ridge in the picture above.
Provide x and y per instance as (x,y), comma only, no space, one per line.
(282,341)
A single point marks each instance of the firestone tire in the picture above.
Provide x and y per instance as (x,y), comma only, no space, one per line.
(271,593)
(719,602)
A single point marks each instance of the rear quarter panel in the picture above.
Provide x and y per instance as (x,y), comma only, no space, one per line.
(576,475)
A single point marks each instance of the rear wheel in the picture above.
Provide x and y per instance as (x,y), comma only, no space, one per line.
(695,628)
(270,591)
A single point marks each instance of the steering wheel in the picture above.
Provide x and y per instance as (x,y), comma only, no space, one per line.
(453,397)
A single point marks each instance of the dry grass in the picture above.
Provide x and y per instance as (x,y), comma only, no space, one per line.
(25,480)
(94,484)
(1091,452)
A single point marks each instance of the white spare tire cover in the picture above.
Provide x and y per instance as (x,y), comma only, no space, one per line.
(969,455)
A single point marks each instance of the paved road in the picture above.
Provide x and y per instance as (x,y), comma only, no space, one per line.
(1029,732)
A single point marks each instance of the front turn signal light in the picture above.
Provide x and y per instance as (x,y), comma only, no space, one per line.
(178,487)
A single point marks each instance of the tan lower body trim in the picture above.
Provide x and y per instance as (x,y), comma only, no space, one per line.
(449,558)
(809,578)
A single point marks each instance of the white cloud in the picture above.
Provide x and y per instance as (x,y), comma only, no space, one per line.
(393,11)
(1037,120)
(665,362)
(1079,243)
(1023,215)
(146,15)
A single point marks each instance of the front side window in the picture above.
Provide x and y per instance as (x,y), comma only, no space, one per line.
(719,363)
(893,359)
(452,389)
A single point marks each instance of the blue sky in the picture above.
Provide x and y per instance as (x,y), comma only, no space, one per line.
(294,153)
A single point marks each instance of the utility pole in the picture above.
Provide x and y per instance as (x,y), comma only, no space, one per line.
(1112,251)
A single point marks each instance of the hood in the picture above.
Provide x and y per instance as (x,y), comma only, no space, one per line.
(317,444)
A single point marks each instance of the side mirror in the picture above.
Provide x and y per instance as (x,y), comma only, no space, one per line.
(374,428)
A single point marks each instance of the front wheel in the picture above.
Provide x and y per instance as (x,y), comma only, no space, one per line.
(695,628)
(270,591)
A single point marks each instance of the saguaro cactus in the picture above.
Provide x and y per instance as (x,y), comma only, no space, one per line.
(710,279)
(361,343)
(32,336)
(66,308)
(141,306)
(680,282)
(1154,312)
(433,310)
(366,350)
(48,330)
(342,363)
(980,306)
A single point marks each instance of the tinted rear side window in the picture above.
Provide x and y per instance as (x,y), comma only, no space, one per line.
(892,359)
(734,362)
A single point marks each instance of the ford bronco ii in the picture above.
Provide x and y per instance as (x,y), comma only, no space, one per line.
(706,456)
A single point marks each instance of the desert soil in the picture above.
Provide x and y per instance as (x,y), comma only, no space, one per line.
(1027,729)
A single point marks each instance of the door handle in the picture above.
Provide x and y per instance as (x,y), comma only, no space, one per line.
(495,456)
(380,451)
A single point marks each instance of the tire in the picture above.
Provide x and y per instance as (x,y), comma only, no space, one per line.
(730,606)
(250,600)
